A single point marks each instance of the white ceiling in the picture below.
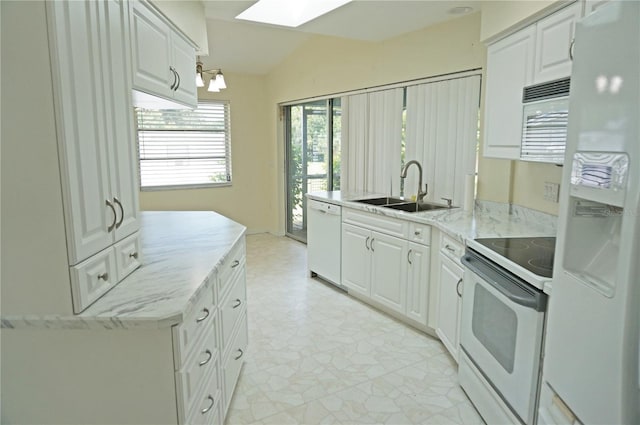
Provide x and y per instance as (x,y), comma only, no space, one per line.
(252,48)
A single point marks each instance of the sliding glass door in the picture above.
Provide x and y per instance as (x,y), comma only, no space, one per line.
(312,138)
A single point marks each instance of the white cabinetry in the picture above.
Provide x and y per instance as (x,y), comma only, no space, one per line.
(554,39)
(535,54)
(418,271)
(509,69)
(356,259)
(450,274)
(163,59)
(382,265)
(95,136)
(233,320)
(388,271)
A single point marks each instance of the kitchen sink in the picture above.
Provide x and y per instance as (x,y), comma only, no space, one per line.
(417,206)
(381,201)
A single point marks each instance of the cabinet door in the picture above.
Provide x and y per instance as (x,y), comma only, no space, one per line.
(449,300)
(554,38)
(120,129)
(419,266)
(151,52)
(356,259)
(78,74)
(388,270)
(509,69)
(184,62)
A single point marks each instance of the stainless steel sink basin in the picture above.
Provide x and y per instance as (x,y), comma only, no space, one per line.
(381,201)
(417,206)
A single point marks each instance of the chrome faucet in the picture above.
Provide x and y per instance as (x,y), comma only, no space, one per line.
(403,175)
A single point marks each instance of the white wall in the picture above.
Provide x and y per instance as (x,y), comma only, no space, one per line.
(250,198)
(188,15)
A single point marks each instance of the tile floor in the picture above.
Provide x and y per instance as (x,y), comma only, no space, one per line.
(318,356)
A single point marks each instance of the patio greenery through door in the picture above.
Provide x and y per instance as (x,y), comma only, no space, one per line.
(312,148)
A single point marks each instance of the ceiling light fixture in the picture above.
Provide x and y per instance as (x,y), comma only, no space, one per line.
(289,13)
(216,83)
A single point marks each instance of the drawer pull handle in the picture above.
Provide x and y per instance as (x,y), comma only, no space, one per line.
(239,355)
(119,204)
(237,304)
(371,244)
(409,256)
(204,362)
(206,409)
(115,216)
(133,255)
(235,264)
(449,248)
(458,290)
(417,232)
(104,276)
(206,314)
(366,243)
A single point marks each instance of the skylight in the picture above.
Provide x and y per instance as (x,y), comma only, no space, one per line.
(289,13)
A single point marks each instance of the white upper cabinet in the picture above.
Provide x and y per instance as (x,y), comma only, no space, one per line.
(535,54)
(554,41)
(95,128)
(164,61)
(509,69)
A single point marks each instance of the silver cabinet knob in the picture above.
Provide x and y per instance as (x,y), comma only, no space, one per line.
(103,276)
(134,255)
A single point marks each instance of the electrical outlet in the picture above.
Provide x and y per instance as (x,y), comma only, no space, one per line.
(551,191)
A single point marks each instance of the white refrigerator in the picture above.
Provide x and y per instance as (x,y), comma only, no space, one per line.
(590,365)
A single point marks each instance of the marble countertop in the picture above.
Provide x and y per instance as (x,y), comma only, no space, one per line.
(181,253)
(488,219)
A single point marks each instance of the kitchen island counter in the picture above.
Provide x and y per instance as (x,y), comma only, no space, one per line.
(181,254)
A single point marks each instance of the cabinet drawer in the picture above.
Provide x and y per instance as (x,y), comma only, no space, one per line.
(186,335)
(206,407)
(128,255)
(451,248)
(420,233)
(382,224)
(230,265)
(234,360)
(232,306)
(200,364)
(92,278)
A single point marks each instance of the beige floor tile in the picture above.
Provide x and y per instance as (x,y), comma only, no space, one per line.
(319,356)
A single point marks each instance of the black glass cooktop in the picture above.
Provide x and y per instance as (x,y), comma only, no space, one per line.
(534,254)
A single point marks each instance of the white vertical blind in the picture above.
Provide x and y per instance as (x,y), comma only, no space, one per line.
(355,115)
(185,148)
(385,141)
(371,145)
(441,133)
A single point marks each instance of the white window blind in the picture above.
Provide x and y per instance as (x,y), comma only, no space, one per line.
(185,148)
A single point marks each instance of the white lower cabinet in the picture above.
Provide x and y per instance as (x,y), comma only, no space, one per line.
(233,338)
(381,266)
(450,275)
(388,271)
(356,259)
(418,276)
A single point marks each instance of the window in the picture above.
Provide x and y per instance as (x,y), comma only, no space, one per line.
(184,148)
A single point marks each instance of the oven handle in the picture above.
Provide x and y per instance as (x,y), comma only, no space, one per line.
(509,285)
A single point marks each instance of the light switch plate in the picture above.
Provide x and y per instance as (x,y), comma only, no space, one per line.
(551,191)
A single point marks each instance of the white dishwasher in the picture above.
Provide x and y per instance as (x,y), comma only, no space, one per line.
(323,240)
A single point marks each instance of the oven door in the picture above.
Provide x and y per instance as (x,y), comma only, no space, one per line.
(501,332)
